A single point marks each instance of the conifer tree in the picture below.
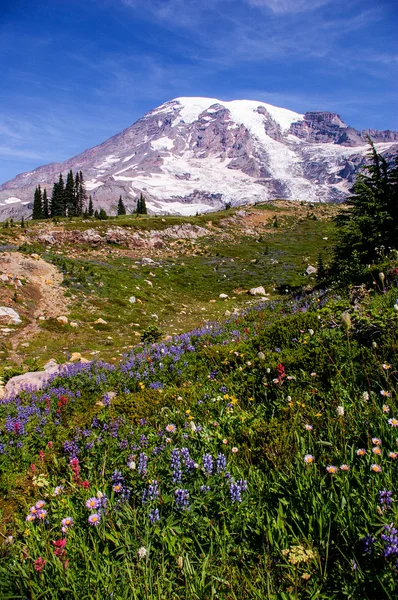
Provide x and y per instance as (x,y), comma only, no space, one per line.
(121,209)
(82,194)
(371,220)
(37,204)
(58,199)
(45,207)
(141,206)
(90,207)
(22,223)
(69,195)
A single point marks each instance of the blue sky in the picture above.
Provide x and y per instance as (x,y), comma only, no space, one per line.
(74,73)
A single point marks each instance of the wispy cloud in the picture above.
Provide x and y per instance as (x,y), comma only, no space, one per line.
(282,7)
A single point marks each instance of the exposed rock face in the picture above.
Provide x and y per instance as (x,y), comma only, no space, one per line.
(196,154)
(120,236)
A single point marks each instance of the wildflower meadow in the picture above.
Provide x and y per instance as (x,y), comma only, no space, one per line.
(252,458)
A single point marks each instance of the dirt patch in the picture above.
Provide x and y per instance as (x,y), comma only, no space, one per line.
(33,289)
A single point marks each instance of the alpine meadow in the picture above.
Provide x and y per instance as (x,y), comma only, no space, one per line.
(199,312)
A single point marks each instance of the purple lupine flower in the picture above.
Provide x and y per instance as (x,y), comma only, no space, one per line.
(368,542)
(221,463)
(385,499)
(208,463)
(236,489)
(182,499)
(154,516)
(188,462)
(175,465)
(205,488)
(390,539)
(151,493)
(142,464)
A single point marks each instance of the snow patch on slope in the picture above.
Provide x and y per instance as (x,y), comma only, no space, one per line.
(241,111)
(163,143)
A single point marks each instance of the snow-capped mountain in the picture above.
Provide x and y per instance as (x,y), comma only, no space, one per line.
(196,154)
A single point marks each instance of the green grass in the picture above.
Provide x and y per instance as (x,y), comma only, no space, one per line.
(100,287)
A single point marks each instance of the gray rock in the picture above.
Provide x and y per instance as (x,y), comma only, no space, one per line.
(91,236)
(258,291)
(29,381)
(9,315)
(310,270)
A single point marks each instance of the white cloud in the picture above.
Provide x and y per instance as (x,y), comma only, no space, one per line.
(281,7)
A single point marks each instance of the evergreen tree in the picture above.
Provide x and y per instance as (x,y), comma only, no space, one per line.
(102,214)
(141,206)
(82,194)
(69,195)
(46,210)
(121,209)
(37,204)
(57,198)
(96,214)
(371,220)
(90,207)
(22,223)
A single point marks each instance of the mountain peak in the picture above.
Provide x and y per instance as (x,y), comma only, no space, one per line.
(195,154)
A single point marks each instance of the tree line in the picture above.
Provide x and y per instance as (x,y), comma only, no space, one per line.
(70,200)
(67,199)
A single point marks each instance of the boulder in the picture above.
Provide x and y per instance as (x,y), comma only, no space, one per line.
(29,381)
(10,315)
(47,238)
(117,235)
(223,296)
(63,320)
(258,291)
(100,322)
(310,270)
(90,236)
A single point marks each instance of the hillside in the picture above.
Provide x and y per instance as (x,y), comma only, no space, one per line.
(252,455)
(193,155)
(134,273)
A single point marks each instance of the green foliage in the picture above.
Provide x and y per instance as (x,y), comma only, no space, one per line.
(151,334)
(141,206)
(121,209)
(90,207)
(369,228)
(37,204)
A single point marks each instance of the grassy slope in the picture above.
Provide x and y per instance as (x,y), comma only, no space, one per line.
(100,284)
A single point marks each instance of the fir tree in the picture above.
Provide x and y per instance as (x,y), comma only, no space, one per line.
(90,207)
(57,198)
(69,195)
(37,204)
(96,214)
(22,223)
(141,206)
(102,215)
(371,220)
(121,209)
(46,211)
(82,194)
